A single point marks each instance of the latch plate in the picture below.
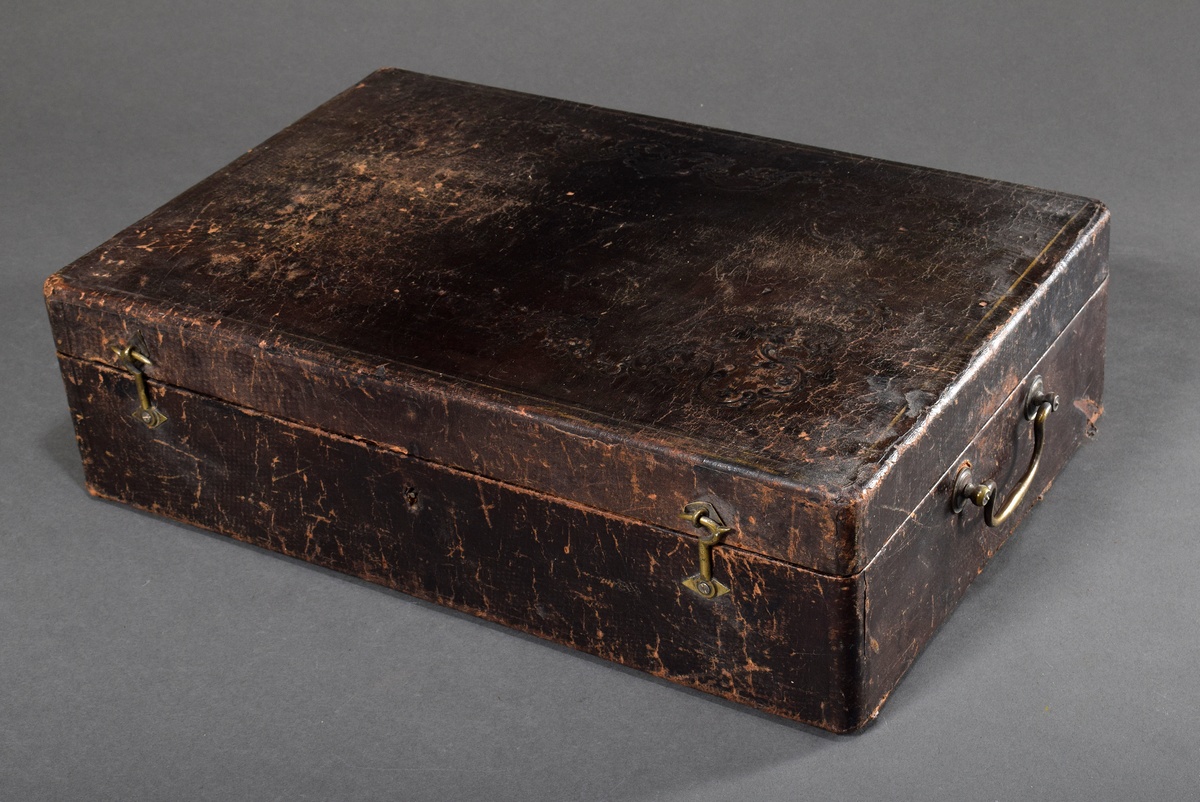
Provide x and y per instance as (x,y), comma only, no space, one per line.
(704,516)
(132,356)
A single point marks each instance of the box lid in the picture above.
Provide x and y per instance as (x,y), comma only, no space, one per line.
(617,310)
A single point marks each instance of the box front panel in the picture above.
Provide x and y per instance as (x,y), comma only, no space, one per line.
(784,639)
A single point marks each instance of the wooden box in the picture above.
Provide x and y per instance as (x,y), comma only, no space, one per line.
(714,406)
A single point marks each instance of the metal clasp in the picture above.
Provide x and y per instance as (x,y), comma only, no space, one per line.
(705,516)
(133,358)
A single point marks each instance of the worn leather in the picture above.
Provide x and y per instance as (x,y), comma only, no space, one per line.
(822,649)
(777,315)
(482,347)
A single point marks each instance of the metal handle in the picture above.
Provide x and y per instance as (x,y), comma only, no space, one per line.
(1038,406)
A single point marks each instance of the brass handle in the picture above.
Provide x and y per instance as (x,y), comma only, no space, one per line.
(1038,406)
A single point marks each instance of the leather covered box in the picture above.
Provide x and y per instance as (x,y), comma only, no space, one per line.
(746,415)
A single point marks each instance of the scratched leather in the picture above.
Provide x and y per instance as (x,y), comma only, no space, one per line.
(482,347)
(604,585)
(794,310)
(827,650)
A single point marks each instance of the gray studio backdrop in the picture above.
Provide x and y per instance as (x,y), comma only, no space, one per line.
(141,659)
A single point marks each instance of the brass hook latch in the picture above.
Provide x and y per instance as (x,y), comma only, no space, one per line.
(132,357)
(704,515)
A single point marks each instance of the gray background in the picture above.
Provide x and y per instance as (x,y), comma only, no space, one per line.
(144,659)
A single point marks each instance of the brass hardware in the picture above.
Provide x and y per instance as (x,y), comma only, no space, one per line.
(133,358)
(704,515)
(1038,406)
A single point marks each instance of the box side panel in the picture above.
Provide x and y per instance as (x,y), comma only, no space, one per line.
(918,460)
(784,639)
(923,572)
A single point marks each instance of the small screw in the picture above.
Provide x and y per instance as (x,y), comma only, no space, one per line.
(704,588)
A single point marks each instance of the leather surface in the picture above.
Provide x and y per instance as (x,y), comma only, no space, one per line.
(820,649)
(784,640)
(773,306)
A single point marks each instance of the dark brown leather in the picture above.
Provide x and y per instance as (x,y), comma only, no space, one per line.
(483,347)
(816,648)
(621,310)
